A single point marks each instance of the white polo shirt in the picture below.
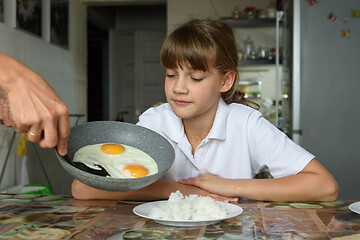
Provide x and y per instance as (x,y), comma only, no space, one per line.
(240,144)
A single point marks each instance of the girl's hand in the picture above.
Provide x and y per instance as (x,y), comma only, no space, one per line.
(211,183)
(191,189)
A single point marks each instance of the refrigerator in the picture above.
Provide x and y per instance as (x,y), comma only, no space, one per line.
(325,85)
(317,84)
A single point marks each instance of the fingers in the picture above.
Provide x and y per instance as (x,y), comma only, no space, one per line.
(189,181)
(56,134)
(224,199)
(50,131)
(50,137)
(14,125)
(6,117)
(34,133)
(64,133)
(5,113)
(1,114)
(195,180)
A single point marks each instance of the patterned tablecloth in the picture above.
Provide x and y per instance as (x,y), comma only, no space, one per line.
(25,216)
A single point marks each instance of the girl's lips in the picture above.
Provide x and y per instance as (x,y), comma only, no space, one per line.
(181,102)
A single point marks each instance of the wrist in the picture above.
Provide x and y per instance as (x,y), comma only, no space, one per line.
(239,188)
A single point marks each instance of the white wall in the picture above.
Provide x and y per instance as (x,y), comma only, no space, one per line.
(64,69)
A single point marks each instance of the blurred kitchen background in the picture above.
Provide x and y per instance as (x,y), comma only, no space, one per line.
(299,59)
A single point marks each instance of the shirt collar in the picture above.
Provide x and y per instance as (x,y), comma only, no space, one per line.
(174,128)
(218,129)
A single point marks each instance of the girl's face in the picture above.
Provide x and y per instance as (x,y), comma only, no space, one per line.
(193,93)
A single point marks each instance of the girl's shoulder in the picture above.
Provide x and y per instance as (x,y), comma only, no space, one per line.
(153,116)
(157,110)
(238,109)
(162,120)
(240,116)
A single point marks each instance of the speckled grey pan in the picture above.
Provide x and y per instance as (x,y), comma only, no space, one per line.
(119,132)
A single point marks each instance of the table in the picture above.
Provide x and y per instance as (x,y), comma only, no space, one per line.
(24,216)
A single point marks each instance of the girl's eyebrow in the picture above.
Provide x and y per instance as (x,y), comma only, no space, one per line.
(198,72)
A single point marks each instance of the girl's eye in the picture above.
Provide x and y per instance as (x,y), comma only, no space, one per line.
(197,79)
(170,75)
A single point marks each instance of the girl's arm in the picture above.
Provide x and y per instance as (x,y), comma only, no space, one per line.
(313,183)
(157,191)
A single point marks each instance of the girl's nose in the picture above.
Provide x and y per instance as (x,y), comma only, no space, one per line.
(180,86)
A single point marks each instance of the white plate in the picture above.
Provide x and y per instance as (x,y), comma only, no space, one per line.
(131,202)
(355,207)
(144,210)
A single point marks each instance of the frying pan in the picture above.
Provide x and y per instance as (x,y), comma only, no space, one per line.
(133,135)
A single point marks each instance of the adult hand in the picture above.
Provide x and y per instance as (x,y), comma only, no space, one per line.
(30,105)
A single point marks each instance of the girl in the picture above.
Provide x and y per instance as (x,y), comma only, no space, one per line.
(220,142)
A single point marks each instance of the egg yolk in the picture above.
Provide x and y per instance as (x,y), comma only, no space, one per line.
(135,170)
(112,148)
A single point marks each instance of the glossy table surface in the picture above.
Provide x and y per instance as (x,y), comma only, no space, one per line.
(24,216)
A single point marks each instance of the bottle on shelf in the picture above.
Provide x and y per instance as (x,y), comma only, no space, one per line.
(249,12)
(240,51)
(248,46)
(263,52)
(236,13)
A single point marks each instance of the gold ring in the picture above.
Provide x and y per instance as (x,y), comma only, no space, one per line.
(34,134)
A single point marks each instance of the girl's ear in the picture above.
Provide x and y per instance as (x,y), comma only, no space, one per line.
(227,82)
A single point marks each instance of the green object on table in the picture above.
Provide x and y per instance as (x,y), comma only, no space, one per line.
(37,189)
(29,189)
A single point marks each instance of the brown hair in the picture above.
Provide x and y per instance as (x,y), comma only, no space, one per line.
(202,44)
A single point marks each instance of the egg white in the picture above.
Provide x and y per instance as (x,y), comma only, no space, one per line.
(92,156)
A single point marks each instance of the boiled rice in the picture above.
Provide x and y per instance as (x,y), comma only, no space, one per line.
(192,207)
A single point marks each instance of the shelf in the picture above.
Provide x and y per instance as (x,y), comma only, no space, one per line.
(252,70)
(256,62)
(249,83)
(253,96)
(253,22)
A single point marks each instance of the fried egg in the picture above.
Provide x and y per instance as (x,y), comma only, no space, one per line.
(120,161)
